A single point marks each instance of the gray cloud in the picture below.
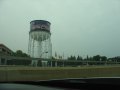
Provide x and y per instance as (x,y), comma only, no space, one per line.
(85,27)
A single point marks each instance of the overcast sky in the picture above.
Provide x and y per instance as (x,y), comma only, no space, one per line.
(79,27)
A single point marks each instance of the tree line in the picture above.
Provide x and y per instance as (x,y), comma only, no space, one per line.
(20,53)
(94,58)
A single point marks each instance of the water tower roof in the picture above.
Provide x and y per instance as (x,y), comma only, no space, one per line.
(40,21)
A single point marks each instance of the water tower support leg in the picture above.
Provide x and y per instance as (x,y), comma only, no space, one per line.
(63,64)
(56,64)
(0,60)
(51,63)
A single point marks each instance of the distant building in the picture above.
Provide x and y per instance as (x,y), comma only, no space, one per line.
(4,50)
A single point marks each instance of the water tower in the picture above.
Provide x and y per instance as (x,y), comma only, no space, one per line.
(40,45)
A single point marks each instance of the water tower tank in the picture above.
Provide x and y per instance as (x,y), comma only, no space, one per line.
(40,45)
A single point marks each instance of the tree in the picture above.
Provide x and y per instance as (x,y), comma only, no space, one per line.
(103,58)
(19,53)
(60,57)
(97,58)
(90,58)
(53,57)
(72,58)
(79,58)
(24,55)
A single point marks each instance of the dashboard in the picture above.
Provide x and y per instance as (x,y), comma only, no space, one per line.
(7,86)
(64,84)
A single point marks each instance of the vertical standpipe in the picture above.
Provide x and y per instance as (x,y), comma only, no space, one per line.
(40,45)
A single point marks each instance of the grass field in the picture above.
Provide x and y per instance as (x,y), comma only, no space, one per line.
(45,73)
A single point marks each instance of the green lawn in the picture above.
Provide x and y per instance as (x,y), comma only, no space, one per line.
(45,73)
